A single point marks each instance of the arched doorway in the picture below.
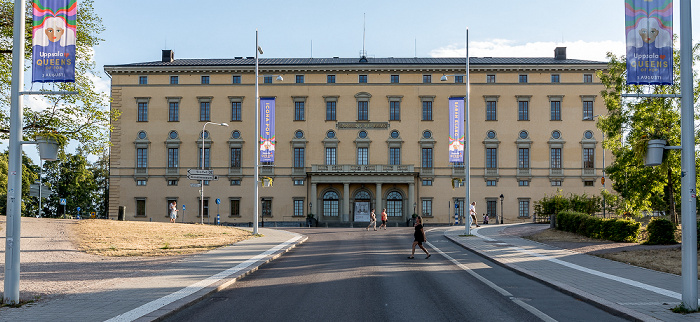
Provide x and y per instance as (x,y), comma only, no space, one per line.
(331,204)
(362,206)
(394,204)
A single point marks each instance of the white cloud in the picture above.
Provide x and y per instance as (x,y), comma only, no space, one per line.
(509,48)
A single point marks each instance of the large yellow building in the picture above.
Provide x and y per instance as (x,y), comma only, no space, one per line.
(352,134)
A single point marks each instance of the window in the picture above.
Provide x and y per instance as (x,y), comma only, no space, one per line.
(298,111)
(588,183)
(588,157)
(427,79)
(523,158)
(205,79)
(394,111)
(523,183)
(235,157)
(267,207)
(299,79)
(523,207)
(235,182)
(490,78)
(427,111)
(362,157)
(330,204)
(140,207)
(207,164)
(490,183)
(588,110)
(173,157)
(299,182)
(204,111)
(363,110)
(491,158)
(491,110)
(298,207)
(459,207)
(427,207)
(588,78)
(523,111)
(394,204)
(174,112)
(267,79)
(142,157)
(522,78)
(362,79)
(298,157)
(330,79)
(394,79)
(556,183)
(235,111)
(235,208)
(330,110)
(555,110)
(143,80)
(236,79)
(174,80)
(427,182)
(555,78)
(394,156)
(459,79)
(140,182)
(555,158)
(330,156)
(143,111)
(491,208)
(427,158)
(172,182)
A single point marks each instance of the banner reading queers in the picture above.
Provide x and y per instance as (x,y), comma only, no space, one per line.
(53,45)
(267,129)
(649,29)
(456,148)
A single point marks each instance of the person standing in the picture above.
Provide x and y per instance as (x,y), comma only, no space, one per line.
(419,238)
(385,219)
(372,220)
(173,211)
(472,213)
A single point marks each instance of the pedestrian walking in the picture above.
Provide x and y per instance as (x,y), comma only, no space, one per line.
(486,219)
(472,213)
(372,220)
(173,211)
(385,219)
(419,238)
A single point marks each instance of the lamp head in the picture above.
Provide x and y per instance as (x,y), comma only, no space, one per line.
(443,78)
(279,78)
(260,50)
(223,124)
(501,197)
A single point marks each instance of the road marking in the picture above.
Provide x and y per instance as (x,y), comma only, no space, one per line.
(497,288)
(189,290)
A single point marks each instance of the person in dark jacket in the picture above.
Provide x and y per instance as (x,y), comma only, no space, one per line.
(419,238)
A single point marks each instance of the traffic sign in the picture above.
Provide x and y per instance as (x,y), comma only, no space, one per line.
(200,172)
(62,201)
(195,185)
(202,177)
(218,201)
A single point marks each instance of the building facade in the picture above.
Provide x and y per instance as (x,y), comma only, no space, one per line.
(352,134)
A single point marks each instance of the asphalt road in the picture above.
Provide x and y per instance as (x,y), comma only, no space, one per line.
(349,274)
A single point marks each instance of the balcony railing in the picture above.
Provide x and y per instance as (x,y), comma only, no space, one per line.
(524,172)
(141,171)
(556,172)
(354,168)
(172,170)
(491,172)
(589,171)
(235,171)
(267,170)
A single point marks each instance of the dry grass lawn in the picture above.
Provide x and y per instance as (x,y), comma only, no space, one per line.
(129,238)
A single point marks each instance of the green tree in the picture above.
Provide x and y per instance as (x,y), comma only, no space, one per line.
(83,117)
(72,178)
(630,124)
(30,172)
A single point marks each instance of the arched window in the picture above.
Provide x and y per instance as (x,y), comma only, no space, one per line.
(330,204)
(394,204)
(362,195)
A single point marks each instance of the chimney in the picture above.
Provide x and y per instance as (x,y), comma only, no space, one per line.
(168,56)
(560,53)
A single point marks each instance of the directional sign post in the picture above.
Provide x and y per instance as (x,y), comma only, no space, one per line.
(200,172)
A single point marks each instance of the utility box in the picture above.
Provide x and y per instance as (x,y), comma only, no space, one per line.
(655,153)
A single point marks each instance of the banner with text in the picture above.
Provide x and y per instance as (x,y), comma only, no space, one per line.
(53,40)
(267,129)
(456,148)
(649,30)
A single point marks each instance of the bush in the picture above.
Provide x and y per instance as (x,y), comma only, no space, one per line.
(661,232)
(619,230)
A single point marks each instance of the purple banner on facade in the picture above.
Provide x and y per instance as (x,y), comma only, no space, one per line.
(267,129)
(456,148)
(53,40)
(649,30)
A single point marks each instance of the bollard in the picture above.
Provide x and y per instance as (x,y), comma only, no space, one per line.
(218,219)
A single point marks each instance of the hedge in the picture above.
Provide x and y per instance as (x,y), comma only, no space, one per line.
(618,230)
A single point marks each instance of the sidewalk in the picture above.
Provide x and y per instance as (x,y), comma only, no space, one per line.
(626,290)
(153,297)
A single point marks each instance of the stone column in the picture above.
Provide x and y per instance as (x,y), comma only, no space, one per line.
(378,201)
(312,199)
(411,198)
(346,202)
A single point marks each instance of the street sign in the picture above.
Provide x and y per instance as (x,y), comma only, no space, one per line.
(62,201)
(200,172)
(202,177)
(195,185)
(218,201)
(34,190)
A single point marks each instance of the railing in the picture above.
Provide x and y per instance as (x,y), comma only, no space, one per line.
(458,171)
(267,170)
(556,172)
(235,171)
(524,171)
(589,171)
(427,171)
(172,170)
(298,171)
(141,171)
(491,172)
(374,168)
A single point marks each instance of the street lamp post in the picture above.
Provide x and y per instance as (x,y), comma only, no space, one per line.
(467,169)
(501,208)
(201,182)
